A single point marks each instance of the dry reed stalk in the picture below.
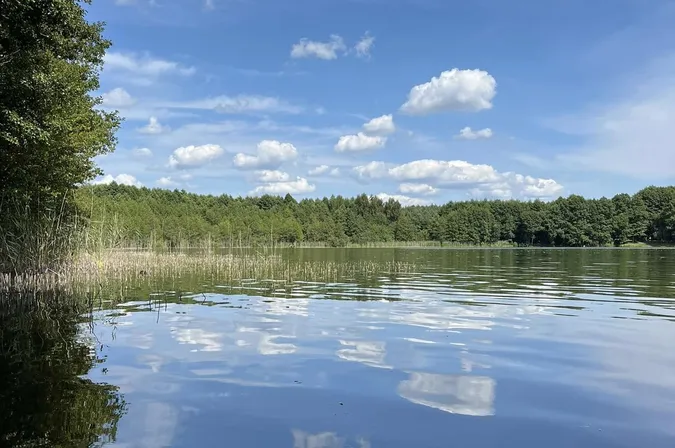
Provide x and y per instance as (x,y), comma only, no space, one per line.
(115,267)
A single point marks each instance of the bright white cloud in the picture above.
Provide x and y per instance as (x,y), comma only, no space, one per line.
(453,90)
(371,170)
(380,125)
(144,66)
(445,172)
(479,180)
(154,127)
(322,50)
(423,189)
(468,134)
(403,200)
(272,176)
(194,156)
(359,142)
(142,152)
(335,172)
(298,186)
(316,171)
(117,97)
(122,179)
(166,182)
(240,104)
(531,187)
(270,154)
(364,46)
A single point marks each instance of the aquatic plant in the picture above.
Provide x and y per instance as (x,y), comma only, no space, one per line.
(103,269)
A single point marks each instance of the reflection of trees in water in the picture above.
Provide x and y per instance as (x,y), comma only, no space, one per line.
(458,394)
(43,399)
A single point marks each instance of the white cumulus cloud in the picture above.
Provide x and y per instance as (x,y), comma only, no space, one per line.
(468,134)
(380,125)
(424,189)
(532,187)
(194,156)
(427,176)
(297,186)
(403,200)
(122,179)
(453,90)
(269,154)
(142,152)
(364,46)
(359,142)
(445,172)
(272,176)
(166,182)
(306,48)
(154,127)
(371,170)
(118,97)
(321,169)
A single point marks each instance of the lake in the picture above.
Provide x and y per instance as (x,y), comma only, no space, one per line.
(474,348)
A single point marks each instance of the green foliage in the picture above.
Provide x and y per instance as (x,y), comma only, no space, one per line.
(50,128)
(471,223)
(404,228)
(659,204)
(121,215)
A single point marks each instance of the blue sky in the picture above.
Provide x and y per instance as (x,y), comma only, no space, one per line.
(425,101)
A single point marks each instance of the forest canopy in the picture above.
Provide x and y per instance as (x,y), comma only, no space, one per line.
(142,216)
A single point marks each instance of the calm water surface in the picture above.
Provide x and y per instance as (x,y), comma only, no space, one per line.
(476,348)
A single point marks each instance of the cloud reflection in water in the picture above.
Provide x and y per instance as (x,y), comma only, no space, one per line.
(457,394)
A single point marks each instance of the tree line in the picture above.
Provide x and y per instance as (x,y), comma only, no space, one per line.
(142,216)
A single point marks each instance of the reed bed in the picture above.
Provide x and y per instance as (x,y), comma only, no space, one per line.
(97,271)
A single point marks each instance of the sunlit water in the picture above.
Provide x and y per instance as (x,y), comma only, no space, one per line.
(477,348)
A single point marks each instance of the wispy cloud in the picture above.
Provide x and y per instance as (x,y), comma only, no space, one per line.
(142,69)
(306,48)
(364,46)
(630,134)
(239,104)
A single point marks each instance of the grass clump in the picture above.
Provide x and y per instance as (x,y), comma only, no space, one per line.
(35,239)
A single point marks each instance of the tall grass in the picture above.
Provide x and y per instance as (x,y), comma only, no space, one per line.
(210,243)
(103,270)
(37,239)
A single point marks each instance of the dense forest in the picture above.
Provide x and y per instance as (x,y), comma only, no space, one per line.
(126,215)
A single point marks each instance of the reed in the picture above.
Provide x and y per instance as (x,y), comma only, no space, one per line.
(38,237)
(106,269)
(210,243)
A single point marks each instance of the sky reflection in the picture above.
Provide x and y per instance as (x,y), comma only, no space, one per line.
(544,360)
